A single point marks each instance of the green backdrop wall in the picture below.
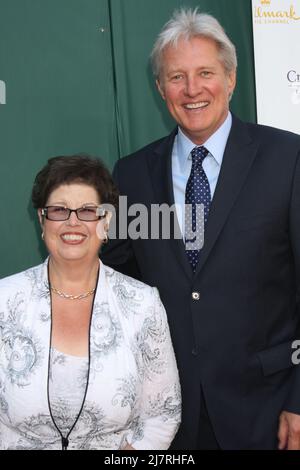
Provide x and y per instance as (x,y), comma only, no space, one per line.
(78,79)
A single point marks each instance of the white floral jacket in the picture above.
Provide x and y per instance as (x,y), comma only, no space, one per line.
(133,392)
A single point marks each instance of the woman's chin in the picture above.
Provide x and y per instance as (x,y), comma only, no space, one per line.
(73,253)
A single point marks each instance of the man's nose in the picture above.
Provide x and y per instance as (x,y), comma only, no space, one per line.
(192,86)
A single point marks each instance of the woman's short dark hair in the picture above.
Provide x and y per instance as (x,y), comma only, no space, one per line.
(73,169)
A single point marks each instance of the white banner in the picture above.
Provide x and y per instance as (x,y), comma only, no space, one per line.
(276,31)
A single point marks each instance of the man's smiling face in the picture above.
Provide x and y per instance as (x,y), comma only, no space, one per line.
(196,86)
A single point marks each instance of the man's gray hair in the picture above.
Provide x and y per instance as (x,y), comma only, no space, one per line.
(188,23)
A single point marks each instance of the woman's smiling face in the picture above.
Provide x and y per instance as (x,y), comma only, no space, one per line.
(72,239)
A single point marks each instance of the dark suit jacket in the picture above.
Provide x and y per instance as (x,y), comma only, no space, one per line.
(236,339)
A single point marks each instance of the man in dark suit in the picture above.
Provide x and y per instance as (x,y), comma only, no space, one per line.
(233,305)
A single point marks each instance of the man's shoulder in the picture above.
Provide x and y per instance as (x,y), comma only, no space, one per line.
(263,132)
(151,150)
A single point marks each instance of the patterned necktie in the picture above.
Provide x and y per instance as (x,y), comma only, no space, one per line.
(198,198)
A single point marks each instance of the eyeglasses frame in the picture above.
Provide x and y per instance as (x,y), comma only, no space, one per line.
(44,213)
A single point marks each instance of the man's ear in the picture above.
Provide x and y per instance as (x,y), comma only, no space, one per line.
(160,89)
(231,80)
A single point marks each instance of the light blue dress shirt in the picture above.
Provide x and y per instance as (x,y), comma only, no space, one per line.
(182,163)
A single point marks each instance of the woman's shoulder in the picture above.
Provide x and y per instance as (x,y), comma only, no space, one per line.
(136,304)
(117,279)
(22,278)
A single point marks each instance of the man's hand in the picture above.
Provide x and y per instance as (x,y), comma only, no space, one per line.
(289,431)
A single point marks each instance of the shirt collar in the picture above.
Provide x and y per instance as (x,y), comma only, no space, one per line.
(215,144)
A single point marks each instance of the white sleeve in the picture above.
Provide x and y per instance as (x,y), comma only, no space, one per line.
(160,408)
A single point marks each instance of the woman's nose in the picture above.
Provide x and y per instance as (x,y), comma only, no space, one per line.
(73,219)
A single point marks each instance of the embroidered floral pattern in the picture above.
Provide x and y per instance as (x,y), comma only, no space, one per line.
(19,349)
(39,284)
(133,389)
(166,403)
(105,335)
(127,392)
(129,294)
(147,347)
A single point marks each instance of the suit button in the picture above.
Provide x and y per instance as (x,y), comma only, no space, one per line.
(195,296)
(194,352)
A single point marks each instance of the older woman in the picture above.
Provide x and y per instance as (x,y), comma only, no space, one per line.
(86,360)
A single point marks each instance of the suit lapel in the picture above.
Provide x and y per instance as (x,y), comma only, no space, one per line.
(238,157)
(160,170)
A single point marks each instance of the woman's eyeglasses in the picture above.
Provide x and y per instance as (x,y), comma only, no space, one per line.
(85,213)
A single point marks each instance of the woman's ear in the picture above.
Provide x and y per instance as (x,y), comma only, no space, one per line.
(108,217)
(41,217)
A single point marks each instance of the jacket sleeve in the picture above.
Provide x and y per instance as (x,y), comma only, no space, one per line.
(160,409)
(293,401)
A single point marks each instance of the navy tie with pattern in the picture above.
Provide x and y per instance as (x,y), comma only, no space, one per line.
(197,192)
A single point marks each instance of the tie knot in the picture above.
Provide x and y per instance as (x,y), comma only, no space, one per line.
(198,155)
